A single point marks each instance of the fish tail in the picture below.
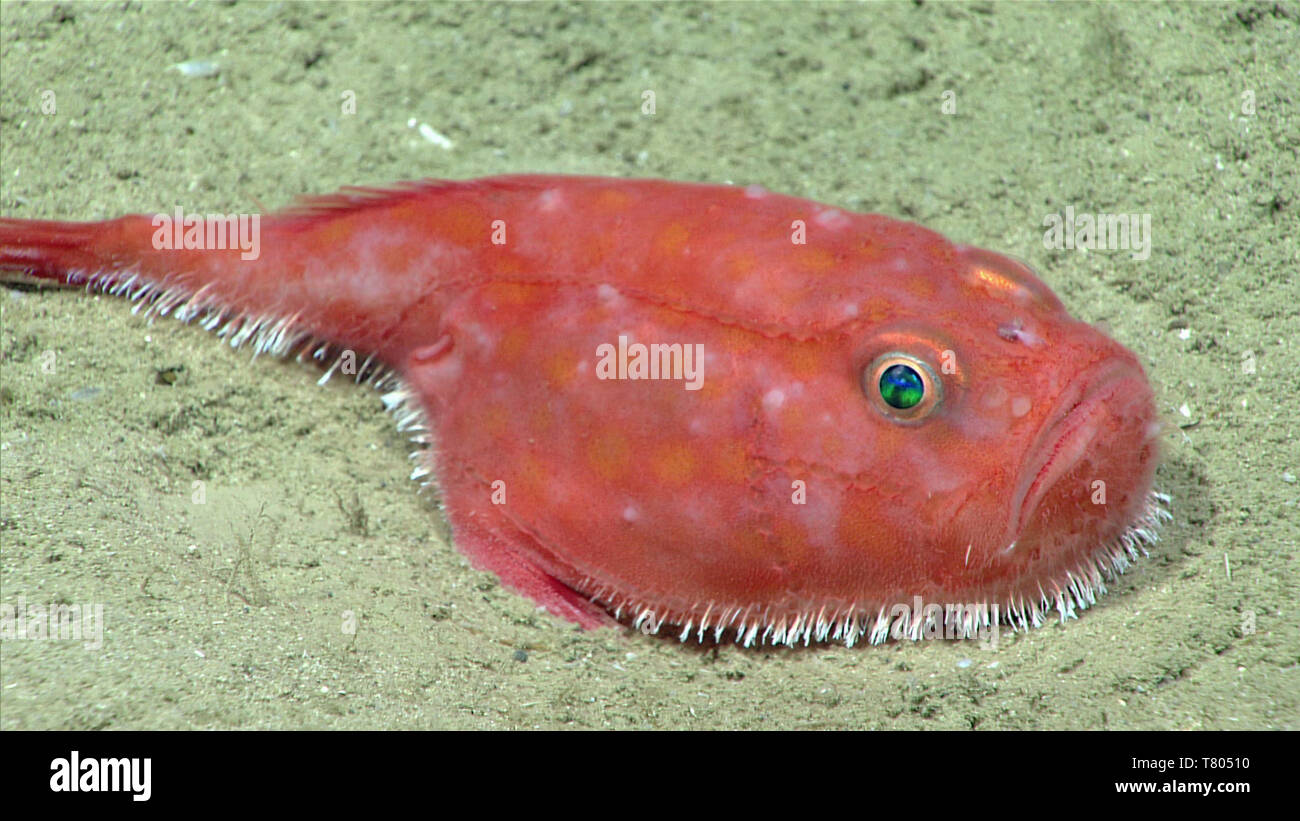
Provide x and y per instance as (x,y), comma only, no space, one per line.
(219,271)
(64,253)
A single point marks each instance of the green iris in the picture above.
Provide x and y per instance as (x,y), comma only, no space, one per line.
(901,387)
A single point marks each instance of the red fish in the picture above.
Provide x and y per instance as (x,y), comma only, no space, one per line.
(731,412)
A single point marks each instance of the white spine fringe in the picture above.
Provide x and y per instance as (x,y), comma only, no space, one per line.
(275,335)
(754,625)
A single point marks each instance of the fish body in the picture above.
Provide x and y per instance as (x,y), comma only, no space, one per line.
(714,408)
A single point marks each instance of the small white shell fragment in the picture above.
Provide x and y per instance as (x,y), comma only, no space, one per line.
(427,132)
(198,68)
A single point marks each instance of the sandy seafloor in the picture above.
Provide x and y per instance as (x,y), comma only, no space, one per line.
(230,614)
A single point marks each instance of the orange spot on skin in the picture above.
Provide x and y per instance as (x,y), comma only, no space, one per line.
(750,545)
(870,252)
(833,445)
(561,368)
(876,309)
(736,340)
(592,250)
(533,478)
(542,420)
(494,420)
(393,257)
(713,388)
(513,343)
(804,359)
(816,260)
(730,465)
(672,319)
(673,464)
(609,454)
(791,542)
(335,232)
(611,199)
(509,293)
(672,239)
(859,522)
(739,266)
(463,225)
(507,265)
(921,285)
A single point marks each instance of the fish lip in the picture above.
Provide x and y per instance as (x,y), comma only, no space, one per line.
(1065,437)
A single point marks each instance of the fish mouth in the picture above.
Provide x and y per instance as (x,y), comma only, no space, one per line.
(1087,409)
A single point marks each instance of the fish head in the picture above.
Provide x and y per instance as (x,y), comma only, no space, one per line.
(1011,448)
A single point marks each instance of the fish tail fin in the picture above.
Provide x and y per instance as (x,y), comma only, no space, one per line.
(52,252)
(211,269)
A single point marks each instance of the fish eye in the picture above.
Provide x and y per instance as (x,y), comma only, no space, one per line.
(902,387)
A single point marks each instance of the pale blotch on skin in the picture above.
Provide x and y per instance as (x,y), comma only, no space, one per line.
(549,200)
(773,400)
(832,219)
